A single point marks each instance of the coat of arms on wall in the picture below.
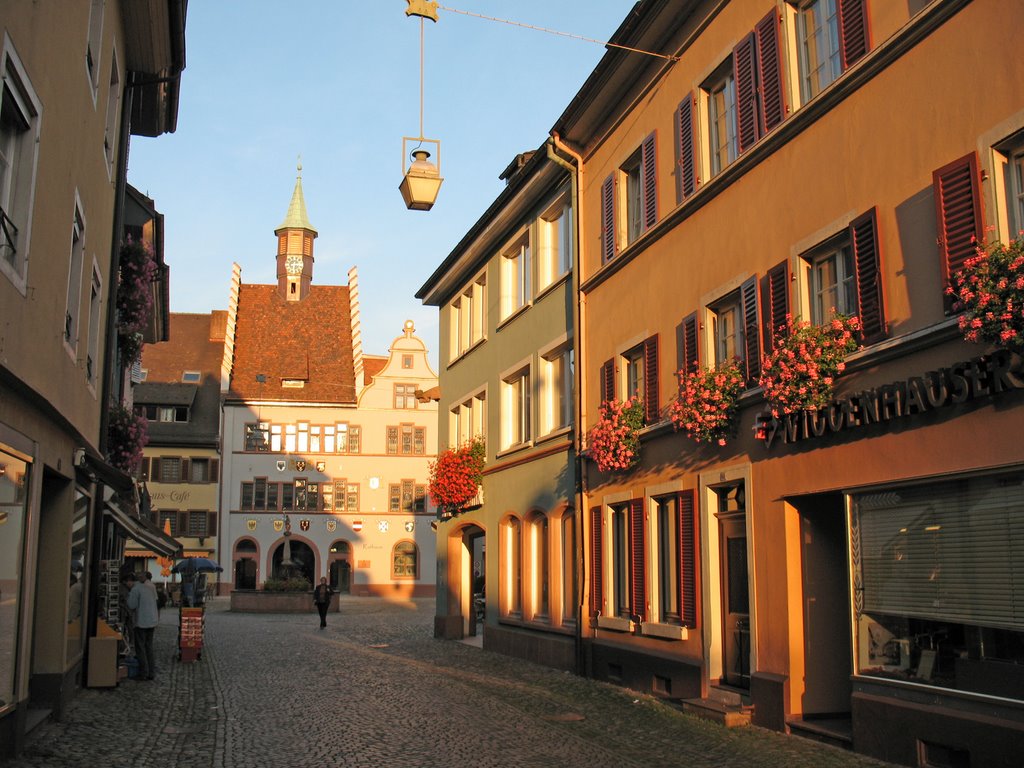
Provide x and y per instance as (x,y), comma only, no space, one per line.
(321,466)
(410,526)
(300,465)
(281,465)
(251,524)
(332,525)
(279,525)
(304,525)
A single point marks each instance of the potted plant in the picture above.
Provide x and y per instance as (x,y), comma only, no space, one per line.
(989,292)
(127,435)
(455,477)
(137,270)
(613,442)
(801,370)
(708,403)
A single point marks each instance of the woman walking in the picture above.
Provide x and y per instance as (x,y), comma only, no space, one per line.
(322,599)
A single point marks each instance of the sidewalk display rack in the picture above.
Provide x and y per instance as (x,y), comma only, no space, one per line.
(190,633)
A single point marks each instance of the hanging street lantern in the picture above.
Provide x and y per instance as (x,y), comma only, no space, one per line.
(421,179)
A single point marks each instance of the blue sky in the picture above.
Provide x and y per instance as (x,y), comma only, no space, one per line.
(337,82)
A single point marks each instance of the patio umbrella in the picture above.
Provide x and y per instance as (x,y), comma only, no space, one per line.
(193,565)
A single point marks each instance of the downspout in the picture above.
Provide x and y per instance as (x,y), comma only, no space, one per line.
(579,316)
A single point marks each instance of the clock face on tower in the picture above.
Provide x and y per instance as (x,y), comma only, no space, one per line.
(293,264)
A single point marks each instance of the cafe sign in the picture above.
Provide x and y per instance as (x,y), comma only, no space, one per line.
(985,376)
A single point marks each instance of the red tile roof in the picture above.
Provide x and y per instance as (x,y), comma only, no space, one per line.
(309,340)
(191,347)
(372,365)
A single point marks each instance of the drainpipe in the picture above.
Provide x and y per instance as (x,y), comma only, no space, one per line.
(575,168)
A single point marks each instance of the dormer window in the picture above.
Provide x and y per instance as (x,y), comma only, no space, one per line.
(191,377)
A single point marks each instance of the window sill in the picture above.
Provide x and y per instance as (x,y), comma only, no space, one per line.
(560,432)
(666,631)
(466,351)
(552,286)
(513,449)
(615,623)
(513,315)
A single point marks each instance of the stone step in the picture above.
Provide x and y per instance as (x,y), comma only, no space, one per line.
(729,715)
(835,732)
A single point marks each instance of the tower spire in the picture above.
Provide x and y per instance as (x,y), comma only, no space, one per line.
(295,246)
(297,218)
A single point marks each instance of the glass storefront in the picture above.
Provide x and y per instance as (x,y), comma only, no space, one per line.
(14,477)
(77,577)
(939,583)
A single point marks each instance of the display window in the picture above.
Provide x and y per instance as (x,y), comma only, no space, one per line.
(14,483)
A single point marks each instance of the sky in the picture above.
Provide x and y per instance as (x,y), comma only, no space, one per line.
(337,83)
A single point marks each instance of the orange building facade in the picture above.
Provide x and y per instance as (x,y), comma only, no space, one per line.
(856,570)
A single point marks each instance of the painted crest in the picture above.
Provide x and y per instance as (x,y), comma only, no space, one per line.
(300,465)
(281,465)
(357,525)
(321,466)
(410,526)
(304,525)
(279,525)
(332,525)
(251,524)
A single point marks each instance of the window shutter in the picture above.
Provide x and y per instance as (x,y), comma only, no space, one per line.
(214,471)
(853,31)
(608,219)
(751,331)
(772,101)
(182,529)
(866,260)
(608,381)
(144,469)
(638,571)
(185,476)
(747,130)
(688,532)
(211,523)
(649,171)
(154,470)
(687,176)
(691,344)
(596,563)
(652,406)
(774,304)
(959,215)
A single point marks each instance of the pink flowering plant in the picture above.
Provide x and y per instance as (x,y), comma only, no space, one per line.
(613,442)
(137,271)
(708,403)
(127,435)
(801,370)
(989,291)
(455,477)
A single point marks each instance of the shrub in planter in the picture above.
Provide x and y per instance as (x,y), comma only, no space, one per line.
(989,291)
(292,584)
(455,477)
(708,403)
(613,442)
(127,435)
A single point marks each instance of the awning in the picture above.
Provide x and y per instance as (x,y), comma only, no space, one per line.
(108,473)
(143,531)
(131,552)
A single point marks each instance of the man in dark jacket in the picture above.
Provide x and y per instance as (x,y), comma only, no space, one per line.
(322,599)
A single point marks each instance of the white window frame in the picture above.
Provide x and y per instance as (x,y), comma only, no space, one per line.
(76,266)
(721,117)
(110,131)
(555,242)
(827,61)
(728,306)
(468,418)
(468,317)
(94,44)
(95,331)
(517,399)
(839,253)
(631,186)
(539,538)
(555,406)
(516,276)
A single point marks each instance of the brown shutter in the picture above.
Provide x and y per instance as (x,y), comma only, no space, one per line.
(608,381)
(649,171)
(747,129)
(688,546)
(182,522)
(690,356)
(214,471)
(185,477)
(774,304)
(638,570)
(853,31)
(959,215)
(608,219)
(751,331)
(769,63)
(687,175)
(154,471)
(866,260)
(652,406)
(596,563)
(211,523)
(144,469)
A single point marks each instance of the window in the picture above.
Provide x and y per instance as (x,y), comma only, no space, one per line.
(202,470)
(170,469)
(275,438)
(407,496)
(554,257)
(74,298)
(191,377)
(631,178)
(633,366)
(833,288)
(557,406)
(172,518)
(568,549)
(405,396)
(290,438)
(516,272)
(315,443)
(197,523)
(516,409)
(727,329)
(405,560)
(349,438)
(406,361)
(667,537)
(95,39)
(467,420)
(540,558)
(112,123)
(735,330)
(303,437)
(19,147)
(1015,190)
(831,36)
(256,436)
(721,94)
(95,331)
(467,317)
(406,440)
(511,568)
(675,545)
(620,561)
(640,193)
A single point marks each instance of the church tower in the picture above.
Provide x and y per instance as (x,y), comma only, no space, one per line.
(295,247)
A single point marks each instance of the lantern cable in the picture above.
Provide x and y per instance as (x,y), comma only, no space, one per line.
(555,32)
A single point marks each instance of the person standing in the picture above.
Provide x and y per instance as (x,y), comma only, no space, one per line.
(322,599)
(142,602)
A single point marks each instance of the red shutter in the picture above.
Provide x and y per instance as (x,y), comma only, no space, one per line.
(687,176)
(214,471)
(743,66)
(608,381)
(638,570)
(959,215)
(691,344)
(649,173)
(864,239)
(774,304)
(608,219)
(769,63)
(751,331)
(596,563)
(211,523)
(688,546)
(652,406)
(853,31)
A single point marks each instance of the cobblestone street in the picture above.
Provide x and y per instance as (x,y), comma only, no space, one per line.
(375,689)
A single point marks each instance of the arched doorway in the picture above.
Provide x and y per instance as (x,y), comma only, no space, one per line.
(470,574)
(245,564)
(303,562)
(340,567)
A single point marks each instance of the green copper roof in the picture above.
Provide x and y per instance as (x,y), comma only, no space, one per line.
(296,218)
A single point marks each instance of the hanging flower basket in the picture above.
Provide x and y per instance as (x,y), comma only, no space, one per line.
(708,403)
(137,271)
(613,442)
(455,477)
(800,372)
(989,291)
(127,435)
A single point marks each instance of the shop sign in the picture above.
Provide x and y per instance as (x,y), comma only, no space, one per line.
(985,376)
